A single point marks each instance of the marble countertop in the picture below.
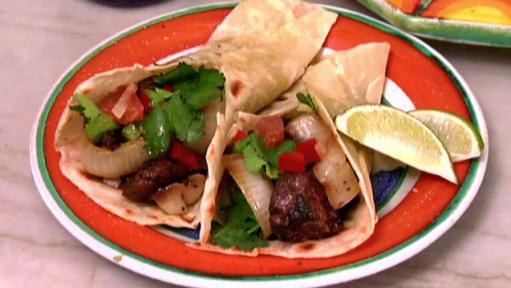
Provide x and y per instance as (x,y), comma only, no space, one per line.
(40,39)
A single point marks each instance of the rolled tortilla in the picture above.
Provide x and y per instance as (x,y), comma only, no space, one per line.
(257,65)
(359,222)
(343,80)
(276,60)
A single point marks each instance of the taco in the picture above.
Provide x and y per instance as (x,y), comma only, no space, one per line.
(294,187)
(145,142)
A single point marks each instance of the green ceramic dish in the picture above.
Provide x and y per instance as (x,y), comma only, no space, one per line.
(440,29)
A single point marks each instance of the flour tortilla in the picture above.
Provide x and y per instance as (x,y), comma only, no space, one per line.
(112,200)
(261,67)
(343,80)
(348,78)
(359,224)
(254,16)
(258,66)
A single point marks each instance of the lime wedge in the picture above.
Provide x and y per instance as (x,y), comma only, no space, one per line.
(396,134)
(460,137)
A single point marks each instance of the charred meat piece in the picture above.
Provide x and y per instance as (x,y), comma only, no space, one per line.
(112,139)
(155,174)
(299,209)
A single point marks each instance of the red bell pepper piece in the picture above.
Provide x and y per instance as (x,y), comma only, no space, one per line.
(182,154)
(308,149)
(291,162)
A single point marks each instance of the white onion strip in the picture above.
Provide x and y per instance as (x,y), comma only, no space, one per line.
(256,188)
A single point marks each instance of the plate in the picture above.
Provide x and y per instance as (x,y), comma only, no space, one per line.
(477,22)
(416,208)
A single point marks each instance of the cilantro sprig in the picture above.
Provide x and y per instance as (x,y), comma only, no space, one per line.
(307,100)
(158,96)
(259,158)
(193,90)
(182,72)
(97,121)
(241,228)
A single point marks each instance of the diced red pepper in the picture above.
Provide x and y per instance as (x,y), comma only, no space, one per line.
(168,87)
(308,149)
(240,136)
(146,101)
(181,153)
(271,129)
(291,162)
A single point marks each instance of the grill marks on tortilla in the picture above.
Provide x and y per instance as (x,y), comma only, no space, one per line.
(212,209)
(307,246)
(236,88)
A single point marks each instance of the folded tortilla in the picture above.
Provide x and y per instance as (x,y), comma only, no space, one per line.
(258,66)
(349,78)
(357,226)
(342,80)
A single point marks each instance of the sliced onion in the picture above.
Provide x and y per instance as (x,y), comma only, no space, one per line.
(123,102)
(194,188)
(255,187)
(174,198)
(333,170)
(170,199)
(126,159)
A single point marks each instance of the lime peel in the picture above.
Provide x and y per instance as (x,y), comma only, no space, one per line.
(396,134)
(460,137)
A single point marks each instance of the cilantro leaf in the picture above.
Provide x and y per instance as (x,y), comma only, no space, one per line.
(206,88)
(186,123)
(200,96)
(258,156)
(157,132)
(306,99)
(211,77)
(179,116)
(253,159)
(241,229)
(98,122)
(182,72)
(183,86)
(253,149)
(158,96)
(196,128)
